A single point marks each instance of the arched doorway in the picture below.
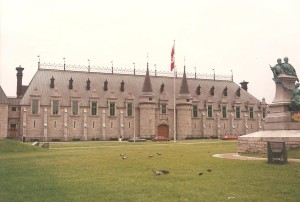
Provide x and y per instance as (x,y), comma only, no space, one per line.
(163,130)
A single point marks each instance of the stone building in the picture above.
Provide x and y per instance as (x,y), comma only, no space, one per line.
(64,104)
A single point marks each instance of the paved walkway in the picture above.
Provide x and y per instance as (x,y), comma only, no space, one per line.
(239,157)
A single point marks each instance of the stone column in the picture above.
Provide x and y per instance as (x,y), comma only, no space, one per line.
(232,128)
(218,124)
(122,124)
(24,122)
(66,124)
(84,124)
(245,124)
(259,121)
(203,124)
(45,124)
(103,125)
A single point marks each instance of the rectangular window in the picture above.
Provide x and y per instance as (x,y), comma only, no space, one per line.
(238,112)
(209,111)
(35,106)
(251,111)
(55,107)
(224,112)
(14,109)
(163,108)
(129,109)
(74,107)
(94,108)
(112,109)
(195,111)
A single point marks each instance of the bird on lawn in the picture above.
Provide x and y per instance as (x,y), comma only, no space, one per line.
(124,157)
(157,172)
(150,155)
(209,170)
(159,153)
(122,154)
(165,171)
(200,174)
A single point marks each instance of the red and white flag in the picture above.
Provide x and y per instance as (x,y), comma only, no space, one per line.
(173,57)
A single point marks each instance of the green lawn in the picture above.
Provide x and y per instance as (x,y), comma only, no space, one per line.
(94,171)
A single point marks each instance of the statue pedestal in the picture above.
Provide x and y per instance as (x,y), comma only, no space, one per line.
(279,117)
(284,90)
(281,124)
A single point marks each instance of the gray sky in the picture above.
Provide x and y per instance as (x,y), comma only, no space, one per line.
(244,36)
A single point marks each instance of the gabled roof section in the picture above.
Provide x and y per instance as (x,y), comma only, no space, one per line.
(134,86)
(3,98)
(147,87)
(184,88)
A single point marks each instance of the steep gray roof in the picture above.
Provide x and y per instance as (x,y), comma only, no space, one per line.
(184,87)
(40,87)
(147,87)
(14,101)
(3,98)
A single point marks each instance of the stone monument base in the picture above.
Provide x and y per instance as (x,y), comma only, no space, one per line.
(257,142)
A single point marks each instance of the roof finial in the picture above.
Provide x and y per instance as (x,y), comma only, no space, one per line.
(112,66)
(39,62)
(231,75)
(89,67)
(134,68)
(64,63)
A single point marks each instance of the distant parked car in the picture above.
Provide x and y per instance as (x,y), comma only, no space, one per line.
(137,139)
(160,138)
(229,138)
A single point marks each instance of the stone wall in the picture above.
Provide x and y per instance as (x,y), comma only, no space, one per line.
(3,120)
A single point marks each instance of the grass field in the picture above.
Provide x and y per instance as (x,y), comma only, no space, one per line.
(95,171)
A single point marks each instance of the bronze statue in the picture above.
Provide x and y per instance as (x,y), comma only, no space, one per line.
(283,68)
(288,68)
(295,103)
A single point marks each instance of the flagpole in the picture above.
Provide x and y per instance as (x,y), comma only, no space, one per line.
(174,93)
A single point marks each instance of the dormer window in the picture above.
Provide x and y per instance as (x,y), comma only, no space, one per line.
(122,86)
(209,111)
(35,106)
(163,108)
(238,112)
(94,107)
(71,83)
(112,109)
(55,107)
(251,112)
(88,84)
(129,108)
(74,107)
(195,111)
(224,112)
(52,82)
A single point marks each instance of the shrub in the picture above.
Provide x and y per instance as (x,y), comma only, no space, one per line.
(55,140)
(75,139)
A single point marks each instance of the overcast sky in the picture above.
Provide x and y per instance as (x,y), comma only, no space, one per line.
(244,36)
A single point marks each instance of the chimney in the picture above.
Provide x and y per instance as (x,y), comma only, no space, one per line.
(19,81)
(244,85)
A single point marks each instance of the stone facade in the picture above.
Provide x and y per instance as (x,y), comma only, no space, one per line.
(3,120)
(140,107)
